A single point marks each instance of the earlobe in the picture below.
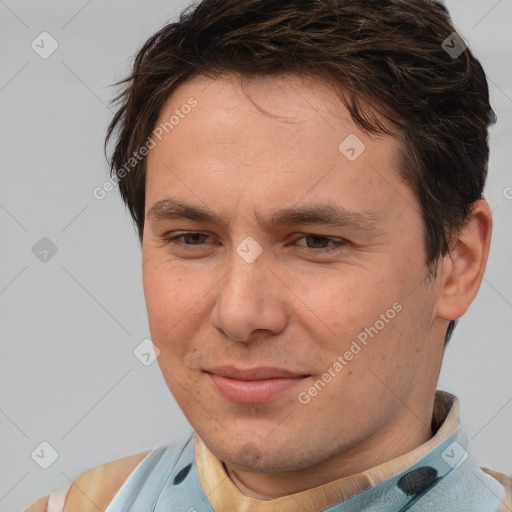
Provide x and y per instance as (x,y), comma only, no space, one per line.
(463,267)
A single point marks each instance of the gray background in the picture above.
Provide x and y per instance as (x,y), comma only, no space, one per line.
(69,325)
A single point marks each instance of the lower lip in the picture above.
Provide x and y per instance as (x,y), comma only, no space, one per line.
(254,391)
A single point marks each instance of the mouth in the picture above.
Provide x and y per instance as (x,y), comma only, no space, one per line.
(254,385)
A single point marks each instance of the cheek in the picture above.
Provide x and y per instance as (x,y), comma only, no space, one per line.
(341,306)
(172,300)
(371,319)
(172,317)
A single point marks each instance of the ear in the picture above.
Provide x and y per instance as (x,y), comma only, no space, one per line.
(461,270)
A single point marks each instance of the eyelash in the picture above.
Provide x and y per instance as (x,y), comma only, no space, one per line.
(172,240)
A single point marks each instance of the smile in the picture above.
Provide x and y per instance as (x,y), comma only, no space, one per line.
(254,386)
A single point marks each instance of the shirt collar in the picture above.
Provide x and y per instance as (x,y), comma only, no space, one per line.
(223,494)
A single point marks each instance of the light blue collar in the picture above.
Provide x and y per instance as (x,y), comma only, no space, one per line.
(446,479)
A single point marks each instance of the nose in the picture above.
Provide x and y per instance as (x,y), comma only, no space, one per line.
(250,298)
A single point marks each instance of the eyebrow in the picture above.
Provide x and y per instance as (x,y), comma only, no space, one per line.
(324,213)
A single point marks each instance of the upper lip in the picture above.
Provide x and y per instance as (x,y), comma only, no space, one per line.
(260,373)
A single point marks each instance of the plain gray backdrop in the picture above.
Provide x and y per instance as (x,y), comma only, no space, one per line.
(72,309)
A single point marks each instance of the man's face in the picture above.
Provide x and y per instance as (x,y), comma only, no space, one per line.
(325,342)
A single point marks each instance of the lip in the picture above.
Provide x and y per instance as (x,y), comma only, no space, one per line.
(254,385)
(259,373)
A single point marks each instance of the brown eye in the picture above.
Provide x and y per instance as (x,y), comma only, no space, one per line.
(320,240)
(181,239)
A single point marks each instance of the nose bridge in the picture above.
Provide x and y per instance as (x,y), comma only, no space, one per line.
(248,297)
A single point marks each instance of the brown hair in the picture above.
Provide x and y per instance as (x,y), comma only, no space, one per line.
(386,58)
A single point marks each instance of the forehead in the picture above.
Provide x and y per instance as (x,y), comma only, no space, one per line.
(268,140)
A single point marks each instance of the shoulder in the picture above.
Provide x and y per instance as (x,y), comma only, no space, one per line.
(94,489)
(39,506)
(101,484)
(97,488)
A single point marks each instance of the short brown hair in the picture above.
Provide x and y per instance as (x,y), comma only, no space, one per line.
(388,55)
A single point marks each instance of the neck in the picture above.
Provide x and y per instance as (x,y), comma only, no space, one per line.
(401,438)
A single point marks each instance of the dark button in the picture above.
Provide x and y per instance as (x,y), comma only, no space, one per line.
(182,475)
(417,481)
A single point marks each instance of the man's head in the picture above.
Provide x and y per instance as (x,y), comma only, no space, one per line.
(392,53)
(253,110)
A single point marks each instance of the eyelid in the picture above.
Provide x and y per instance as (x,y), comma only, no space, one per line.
(328,237)
(170,237)
(337,242)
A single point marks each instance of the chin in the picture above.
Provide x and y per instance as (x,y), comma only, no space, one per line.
(255,454)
